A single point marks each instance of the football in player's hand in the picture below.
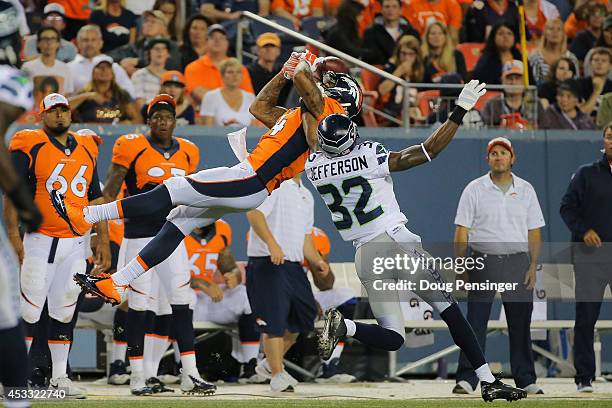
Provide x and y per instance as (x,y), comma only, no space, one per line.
(334,64)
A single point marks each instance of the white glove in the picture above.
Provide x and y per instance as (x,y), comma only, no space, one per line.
(470,93)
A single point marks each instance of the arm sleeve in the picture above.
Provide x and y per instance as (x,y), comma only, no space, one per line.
(535,218)
(382,158)
(227,232)
(571,203)
(21,162)
(94,187)
(122,153)
(466,208)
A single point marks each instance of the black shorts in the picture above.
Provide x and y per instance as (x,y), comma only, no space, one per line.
(281,297)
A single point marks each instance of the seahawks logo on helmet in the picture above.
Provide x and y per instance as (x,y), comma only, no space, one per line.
(337,135)
(344,89)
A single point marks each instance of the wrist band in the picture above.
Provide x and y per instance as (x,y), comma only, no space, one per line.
(425,151)
(457,115)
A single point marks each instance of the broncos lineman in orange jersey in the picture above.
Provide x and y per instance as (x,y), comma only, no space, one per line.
(221,296)
(54,158)
(207,195)
(143,162)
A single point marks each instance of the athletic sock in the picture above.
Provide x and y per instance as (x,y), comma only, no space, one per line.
(484,373)
(182,319)
(60,337)
(464,337)
(350,327)
(129,272)
(377,336)
(119,346)
(102,212)
(161,339)
(162,245)
(149,203)
(136,328)
(249,337)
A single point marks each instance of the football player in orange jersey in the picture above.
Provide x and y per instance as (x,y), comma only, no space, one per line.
(15,98)
(54,158)
(221,296)
(143,162)
(204,197)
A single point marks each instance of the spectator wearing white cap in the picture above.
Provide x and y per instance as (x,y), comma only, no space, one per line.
(134,56)
(102,100)
(47,64)
(89,43)
(117,23)
(498,222)
(510,110)
(53,16)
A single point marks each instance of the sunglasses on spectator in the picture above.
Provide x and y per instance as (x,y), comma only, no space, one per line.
(54,18)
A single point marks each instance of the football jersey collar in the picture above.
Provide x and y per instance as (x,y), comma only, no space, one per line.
(166,152)
(71,144)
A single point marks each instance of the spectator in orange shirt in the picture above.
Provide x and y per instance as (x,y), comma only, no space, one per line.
(203,74)
(372,9)
(295,10)
(578,20)
(420,13)
(77,15)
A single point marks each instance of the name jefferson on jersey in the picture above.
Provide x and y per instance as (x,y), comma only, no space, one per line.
(358,191)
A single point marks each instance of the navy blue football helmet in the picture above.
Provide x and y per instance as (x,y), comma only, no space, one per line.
(344,89)
(337,135)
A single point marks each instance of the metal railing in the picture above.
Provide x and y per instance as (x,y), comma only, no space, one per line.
(531,91)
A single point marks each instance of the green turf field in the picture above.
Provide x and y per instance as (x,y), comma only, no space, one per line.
(317,403)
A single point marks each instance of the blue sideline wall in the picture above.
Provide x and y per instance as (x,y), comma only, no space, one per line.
(428,194)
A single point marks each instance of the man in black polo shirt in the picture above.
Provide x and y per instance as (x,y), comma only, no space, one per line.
(585,209)
(267,65)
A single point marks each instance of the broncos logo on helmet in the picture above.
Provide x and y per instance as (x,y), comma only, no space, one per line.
(337,135)
(344,89)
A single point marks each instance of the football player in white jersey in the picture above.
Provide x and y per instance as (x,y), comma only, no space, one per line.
(15,98)
(355,181)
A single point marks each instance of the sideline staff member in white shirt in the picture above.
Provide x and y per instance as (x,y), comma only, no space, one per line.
(278,289)
(500,217)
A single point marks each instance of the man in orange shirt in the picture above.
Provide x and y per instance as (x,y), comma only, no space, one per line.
(203,74)
(296,10)
(202,198)
(421,12)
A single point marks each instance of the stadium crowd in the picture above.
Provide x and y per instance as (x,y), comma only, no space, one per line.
(112,60)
